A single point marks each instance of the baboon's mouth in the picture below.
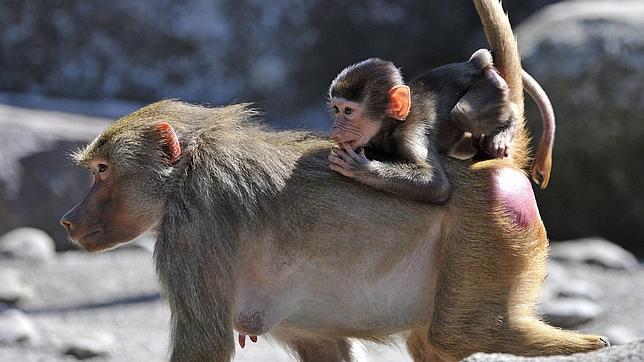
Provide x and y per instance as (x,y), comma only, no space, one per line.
(89,235)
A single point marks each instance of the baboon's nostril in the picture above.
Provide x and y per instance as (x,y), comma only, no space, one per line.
(66,224)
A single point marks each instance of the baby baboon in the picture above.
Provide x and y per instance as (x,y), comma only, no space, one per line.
(405,128)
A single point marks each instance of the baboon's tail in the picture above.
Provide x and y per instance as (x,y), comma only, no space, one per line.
(542,164)
(507,60)
(503,44)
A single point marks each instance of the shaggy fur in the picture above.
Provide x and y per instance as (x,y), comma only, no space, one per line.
(247,211)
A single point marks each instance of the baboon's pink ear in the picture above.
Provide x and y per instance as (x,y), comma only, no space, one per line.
(399,102)
(169,141)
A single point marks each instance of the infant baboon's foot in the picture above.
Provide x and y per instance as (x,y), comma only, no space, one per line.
(497,145)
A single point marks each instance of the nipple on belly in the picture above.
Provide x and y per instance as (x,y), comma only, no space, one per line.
(242,340)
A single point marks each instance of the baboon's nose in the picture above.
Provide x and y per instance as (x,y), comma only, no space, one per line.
(66,224)
(335,134)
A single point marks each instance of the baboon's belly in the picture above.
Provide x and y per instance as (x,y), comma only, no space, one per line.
(318,297)
(348,304)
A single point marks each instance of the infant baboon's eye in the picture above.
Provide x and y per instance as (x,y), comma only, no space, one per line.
(102,167)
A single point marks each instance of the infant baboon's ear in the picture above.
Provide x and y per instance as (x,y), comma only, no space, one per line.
(169,142)
(399,102)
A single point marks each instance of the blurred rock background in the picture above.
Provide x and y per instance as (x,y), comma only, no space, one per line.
(69,67)
(589,57)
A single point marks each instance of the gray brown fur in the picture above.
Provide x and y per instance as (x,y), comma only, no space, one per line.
(244,202)
(228,209)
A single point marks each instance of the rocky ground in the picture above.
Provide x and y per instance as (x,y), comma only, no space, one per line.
(106,306)
(72,305)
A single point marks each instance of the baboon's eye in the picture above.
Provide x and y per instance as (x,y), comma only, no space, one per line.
(336,109)
(102,167)
(348,111)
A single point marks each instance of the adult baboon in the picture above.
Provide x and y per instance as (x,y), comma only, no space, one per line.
(255,233)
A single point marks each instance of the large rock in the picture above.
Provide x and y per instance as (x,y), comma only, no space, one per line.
(570,312)
(589,57)
(27,243)
(281,54)
(596,251)
(555,288)
(38,182)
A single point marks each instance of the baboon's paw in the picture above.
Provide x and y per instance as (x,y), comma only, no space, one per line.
(596,342)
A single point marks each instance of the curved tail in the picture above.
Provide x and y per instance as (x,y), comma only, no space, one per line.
(542,164)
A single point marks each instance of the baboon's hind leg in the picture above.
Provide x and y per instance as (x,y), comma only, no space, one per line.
(317,349)
(495,273)
(527,337)
(541,339)
(419,348)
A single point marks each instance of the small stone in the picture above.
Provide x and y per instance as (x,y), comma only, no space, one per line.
(16,328)
(12,288)
(620,335)
(596,251)
(27,243)
(96,344)
(570,312)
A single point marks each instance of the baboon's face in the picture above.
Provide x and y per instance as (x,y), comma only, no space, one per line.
(114,211)
(351,124)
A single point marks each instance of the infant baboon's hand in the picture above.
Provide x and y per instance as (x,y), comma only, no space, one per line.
(347,161)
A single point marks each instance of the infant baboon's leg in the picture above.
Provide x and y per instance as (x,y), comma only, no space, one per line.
(486,109)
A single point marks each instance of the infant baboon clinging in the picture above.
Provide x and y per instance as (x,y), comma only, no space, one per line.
(281,245)
(405,128)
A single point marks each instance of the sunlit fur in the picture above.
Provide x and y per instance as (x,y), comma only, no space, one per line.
(244,202)
(241,192)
